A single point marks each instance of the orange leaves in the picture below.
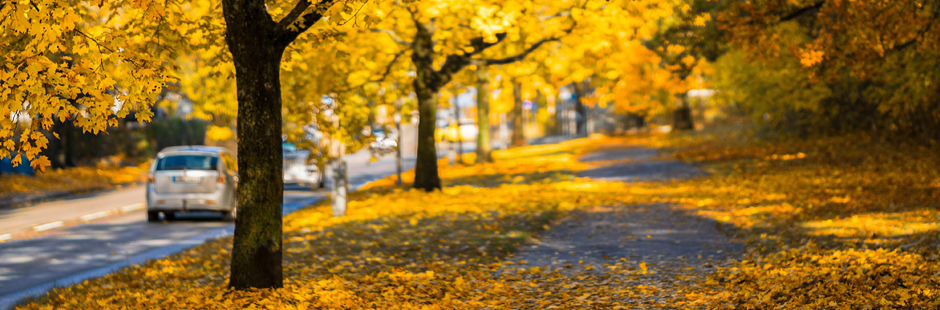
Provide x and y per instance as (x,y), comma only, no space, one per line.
(809,277)
(809,58)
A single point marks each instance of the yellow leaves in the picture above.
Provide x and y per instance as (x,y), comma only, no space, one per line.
(219,133)
(809,57)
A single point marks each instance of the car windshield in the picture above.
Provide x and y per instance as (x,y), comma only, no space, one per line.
(188,162)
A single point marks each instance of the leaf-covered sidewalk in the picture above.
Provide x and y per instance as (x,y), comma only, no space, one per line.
(827,223)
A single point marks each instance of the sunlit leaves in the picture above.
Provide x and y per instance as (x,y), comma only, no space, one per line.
(84,62)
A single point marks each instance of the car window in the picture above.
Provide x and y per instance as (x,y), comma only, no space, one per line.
(189,162)
(288,147)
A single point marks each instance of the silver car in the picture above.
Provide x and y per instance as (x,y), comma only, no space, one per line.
(192,178)
(297,170)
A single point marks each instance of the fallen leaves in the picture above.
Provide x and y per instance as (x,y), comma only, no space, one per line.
(401,249)
(71,179)
(452,249)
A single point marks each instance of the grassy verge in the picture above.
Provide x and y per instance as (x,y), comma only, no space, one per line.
(71,179)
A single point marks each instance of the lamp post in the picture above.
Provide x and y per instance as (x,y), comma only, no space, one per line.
(397,118)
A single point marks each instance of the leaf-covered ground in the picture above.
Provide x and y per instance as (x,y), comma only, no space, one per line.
(71,179)
(830,224)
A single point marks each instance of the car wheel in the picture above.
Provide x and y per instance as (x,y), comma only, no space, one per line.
(153,216)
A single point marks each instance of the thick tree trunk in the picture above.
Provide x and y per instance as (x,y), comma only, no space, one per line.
(518,128)
(682,117)
(256,253)
(426,175)
(483,116)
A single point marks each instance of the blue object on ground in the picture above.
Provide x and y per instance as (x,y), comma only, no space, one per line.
(6,166)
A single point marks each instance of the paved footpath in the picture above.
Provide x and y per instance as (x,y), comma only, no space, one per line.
(667,239)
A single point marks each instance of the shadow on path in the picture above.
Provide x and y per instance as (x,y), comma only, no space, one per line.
(671,242)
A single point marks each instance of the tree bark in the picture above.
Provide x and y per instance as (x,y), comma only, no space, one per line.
(518,128)
(483,116)
(581,121)
(682,117)
(425,86)
(257,251)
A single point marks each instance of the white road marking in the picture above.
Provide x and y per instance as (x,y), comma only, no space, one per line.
(5,237)
(48,226)
(132,207)
(92,216)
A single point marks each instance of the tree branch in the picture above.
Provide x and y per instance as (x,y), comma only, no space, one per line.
(920,34)
(802,11)
(521,56)
(393,35)
(559,14)
(283,32)
(454,63)
(291,17)
(388,68)
(479,44)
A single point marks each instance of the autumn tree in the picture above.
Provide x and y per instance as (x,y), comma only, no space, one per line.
(878,59)
(687,38)
(608,51)
(444,37)
(124,53)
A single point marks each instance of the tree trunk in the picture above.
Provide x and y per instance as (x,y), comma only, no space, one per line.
(581,118)
(483,116)
(256,253)
(426,176)
(518,128)
(682,117)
